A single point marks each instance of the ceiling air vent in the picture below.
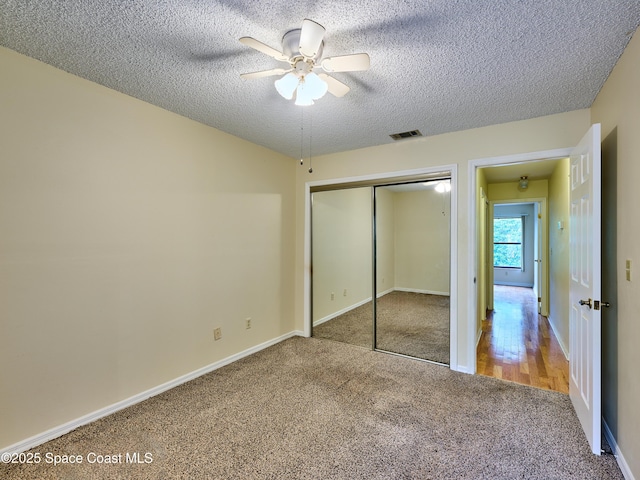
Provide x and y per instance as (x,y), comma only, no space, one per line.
(400,136)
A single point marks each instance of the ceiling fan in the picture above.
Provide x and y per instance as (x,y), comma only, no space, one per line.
(302,50)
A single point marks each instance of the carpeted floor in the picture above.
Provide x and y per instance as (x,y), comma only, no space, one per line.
(414,324)
(315,409)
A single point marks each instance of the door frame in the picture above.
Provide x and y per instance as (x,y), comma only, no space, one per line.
(473,165)
(540,266)
(378,178)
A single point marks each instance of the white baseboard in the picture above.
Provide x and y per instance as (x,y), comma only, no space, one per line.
(60,430)
(564,348)
(415,290)
(478,338)
(622,463)
(340,312)
(463,369)
(382,294)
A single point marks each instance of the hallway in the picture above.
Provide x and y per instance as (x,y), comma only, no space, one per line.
(518,345)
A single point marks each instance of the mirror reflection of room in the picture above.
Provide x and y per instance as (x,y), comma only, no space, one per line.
(412,240)
(412,249)
(342,266)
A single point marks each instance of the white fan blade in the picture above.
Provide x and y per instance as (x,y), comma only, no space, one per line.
(265,73)
(266,49)
(336,87)
(311,38)
(346,63)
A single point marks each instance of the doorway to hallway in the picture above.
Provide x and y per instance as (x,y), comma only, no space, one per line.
(517,343)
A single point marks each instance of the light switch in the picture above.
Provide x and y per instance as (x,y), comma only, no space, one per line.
(628,270)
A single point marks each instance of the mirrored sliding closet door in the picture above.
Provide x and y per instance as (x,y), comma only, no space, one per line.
(342,265)
(393,240)
(412,244)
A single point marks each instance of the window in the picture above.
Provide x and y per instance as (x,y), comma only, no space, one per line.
(507,242)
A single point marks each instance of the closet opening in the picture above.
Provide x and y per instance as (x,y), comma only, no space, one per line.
(381,266)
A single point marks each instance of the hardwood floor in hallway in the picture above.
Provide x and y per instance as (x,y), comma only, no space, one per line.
(518,345)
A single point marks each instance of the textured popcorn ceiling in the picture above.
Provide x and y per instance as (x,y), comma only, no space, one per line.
(436,65)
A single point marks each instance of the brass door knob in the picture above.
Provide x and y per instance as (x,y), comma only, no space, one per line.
(585,302)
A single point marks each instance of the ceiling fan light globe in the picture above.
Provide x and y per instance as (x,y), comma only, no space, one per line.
(315,86)
(286,86)
(303,95)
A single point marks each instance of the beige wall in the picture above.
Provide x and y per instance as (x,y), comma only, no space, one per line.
(538,134)
(385,241)
(617,108)
(127,233)
(559,253)
(509,192)
(341,251)
(422,241)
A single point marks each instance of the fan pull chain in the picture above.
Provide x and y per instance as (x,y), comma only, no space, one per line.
(310,136)
(301,134)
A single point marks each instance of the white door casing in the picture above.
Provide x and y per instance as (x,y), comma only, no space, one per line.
(537,261)
(585,283)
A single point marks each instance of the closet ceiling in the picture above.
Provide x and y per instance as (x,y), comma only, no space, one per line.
(436,65)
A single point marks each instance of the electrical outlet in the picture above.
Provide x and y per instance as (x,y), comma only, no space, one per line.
(628,270)
(217,333)
(344,293)
(248,323)
(333,296)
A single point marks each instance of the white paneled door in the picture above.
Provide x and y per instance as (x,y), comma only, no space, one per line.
(585,328)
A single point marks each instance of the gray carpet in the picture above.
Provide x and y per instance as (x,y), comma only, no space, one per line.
(414,324)
(315,409)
